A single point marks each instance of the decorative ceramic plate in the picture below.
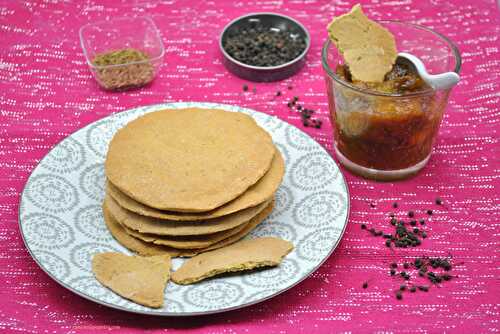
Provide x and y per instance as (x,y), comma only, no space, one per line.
(62,225)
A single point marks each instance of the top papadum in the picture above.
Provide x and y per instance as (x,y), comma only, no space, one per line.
(188,160)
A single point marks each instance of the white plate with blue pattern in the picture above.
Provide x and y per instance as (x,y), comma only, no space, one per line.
(62,225)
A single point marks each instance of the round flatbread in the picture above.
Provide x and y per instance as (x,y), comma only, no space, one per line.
(148,225)
(260,192)
(188,160)
(149,249)
(186,242)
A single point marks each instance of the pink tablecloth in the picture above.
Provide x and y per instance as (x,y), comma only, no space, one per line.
(47,92)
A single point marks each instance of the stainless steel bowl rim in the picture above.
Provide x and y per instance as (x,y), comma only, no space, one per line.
(265,68)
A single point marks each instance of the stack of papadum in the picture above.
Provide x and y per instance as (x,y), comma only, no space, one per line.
(183,182)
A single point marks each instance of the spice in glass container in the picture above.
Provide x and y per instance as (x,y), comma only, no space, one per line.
(123,69)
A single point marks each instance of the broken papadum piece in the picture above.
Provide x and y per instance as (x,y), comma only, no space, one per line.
(368,48)
(243,255)
(139,279)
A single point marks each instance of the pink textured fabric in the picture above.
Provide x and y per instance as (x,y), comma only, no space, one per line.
(47,92)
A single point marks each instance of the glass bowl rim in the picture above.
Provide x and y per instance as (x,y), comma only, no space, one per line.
(454,50)
(145,18)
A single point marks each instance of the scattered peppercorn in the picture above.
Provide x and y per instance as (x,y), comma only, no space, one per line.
(399,295)
(429,212)
(424,235)
(446,277)
(406,265)
(393,221)
(402,287)
(278,93)
(363,226)
(245,88)
(372,205)
(388,243)
(423,288)
(365,285)
(411,214)
(395,205)
(413,289)
(394,265)
(391,214)
(422,221)
(439,201)
(393,272)
(413,222)
(416,230)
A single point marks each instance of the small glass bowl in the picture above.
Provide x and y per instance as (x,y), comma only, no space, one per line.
(139,33)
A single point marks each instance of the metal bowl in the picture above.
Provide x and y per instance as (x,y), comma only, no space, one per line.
(260,73)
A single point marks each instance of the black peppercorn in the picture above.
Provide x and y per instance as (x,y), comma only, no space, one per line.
(402,287)
(399,295)
(363,226)
(411,214)
(439,201)
(394,265)
(388,243)
(422,221)
(365,285)
(395,205)
(413,289)
(406,265)
(429,212)
(393,272)
(245,88)
(423,288)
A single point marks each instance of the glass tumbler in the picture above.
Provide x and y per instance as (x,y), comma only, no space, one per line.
(386,136)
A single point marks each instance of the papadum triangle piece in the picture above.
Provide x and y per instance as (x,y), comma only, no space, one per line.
(139,279)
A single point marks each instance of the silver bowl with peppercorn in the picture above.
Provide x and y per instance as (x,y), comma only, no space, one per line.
(264,47)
